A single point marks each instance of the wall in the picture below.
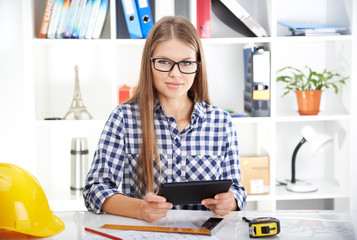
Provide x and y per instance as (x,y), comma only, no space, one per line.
(13,132)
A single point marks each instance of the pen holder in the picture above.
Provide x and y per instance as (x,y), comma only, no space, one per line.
(79,163)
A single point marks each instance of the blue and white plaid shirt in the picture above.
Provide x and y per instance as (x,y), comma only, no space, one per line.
(207,149)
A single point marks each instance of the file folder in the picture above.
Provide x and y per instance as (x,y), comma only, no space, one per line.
(132,18)
(252,24)
(300,26)
(257,82)
(204,18)
(145,16)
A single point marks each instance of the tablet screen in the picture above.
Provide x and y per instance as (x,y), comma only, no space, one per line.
(193,192)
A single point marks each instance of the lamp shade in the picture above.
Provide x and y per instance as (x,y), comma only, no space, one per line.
(319,143)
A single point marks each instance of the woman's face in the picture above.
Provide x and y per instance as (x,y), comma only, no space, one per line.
(174,84)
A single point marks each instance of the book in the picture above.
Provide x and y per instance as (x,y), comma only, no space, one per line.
(245,17)
(71,18)
(103,9)
(312,29)
(86,19)
(79,18)
(62,22)
(55,17)
(204,18)
(46,18)
(92,19)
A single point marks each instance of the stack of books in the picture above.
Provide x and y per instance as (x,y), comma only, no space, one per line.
(312,29)
(74,19)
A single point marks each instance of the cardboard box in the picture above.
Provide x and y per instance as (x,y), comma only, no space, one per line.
(255,174)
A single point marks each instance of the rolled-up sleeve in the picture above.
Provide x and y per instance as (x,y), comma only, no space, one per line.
(231,168)
(105,175)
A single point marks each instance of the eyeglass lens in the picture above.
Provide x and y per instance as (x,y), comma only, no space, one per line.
(167,65)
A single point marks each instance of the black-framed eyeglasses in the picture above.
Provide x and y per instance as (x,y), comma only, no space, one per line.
(166,65)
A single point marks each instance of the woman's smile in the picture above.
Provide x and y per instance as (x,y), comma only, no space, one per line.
(173,84)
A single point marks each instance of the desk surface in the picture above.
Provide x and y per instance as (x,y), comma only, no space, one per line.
(294,224)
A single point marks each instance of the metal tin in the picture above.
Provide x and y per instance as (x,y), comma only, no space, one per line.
(79,163)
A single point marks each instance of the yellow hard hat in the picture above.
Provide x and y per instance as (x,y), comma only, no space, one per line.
(23,204)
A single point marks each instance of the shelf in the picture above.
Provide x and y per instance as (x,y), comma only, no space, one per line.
(263,197)
(241,40)
(70,123)
(299,39)
(327,189)
(295,117)
(239,120)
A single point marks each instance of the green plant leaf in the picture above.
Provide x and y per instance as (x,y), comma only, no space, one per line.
(295,79)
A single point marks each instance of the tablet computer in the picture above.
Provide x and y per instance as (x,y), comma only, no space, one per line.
(193,192)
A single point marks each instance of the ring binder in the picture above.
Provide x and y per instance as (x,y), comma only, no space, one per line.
(145,16)
(132,18)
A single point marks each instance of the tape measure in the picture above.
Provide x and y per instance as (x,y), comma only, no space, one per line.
(201,231)
(263,227)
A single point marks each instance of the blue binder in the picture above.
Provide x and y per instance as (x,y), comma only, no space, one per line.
(132,18)
(145,16)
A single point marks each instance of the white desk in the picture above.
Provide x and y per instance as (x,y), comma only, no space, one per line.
(294,224)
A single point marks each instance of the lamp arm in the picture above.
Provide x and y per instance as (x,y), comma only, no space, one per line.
(293,180)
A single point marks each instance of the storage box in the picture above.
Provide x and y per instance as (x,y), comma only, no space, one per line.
(255,174)
(125,92)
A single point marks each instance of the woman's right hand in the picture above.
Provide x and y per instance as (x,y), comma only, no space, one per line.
(154,207)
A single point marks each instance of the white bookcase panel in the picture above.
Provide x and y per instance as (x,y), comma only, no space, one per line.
(54,64)
(53,147)
(318,55)
(333,12)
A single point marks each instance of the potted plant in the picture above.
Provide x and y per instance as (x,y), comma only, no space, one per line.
(308,87)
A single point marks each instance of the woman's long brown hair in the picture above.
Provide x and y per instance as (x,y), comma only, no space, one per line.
(165,29)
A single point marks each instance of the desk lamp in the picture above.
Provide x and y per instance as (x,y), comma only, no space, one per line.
(318,143)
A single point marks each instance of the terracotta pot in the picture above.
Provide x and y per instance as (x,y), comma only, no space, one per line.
(309,102)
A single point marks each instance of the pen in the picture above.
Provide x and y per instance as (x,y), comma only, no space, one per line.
(102,234)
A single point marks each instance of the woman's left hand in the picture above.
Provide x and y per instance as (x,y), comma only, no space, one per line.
(222,203)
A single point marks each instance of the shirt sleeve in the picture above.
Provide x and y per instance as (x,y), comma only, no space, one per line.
(104,176)
(231,169)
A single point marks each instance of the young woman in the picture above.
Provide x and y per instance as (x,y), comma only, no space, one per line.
(167,132)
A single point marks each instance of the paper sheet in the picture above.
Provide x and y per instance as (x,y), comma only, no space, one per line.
(141,235)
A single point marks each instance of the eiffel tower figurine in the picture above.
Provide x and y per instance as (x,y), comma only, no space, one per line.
(77,107)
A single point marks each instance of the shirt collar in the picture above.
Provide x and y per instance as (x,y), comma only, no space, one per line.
(198,109)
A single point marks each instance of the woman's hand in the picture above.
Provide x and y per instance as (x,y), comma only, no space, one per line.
(222,203)
(154,207)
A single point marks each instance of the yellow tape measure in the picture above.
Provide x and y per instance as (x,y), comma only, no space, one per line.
(201,231)
(263,227)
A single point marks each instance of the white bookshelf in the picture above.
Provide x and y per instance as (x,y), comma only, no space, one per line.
(108,63)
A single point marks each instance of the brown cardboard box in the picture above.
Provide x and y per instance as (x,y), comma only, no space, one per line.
(255,174)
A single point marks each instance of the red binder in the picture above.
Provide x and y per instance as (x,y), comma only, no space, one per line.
(204,18)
